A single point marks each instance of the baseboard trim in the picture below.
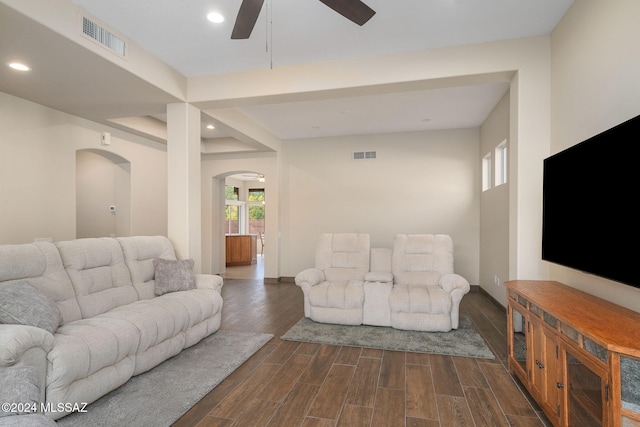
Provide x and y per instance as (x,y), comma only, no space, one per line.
(493,301)
(276,280)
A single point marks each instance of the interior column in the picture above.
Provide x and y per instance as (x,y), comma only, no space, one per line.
(184,196)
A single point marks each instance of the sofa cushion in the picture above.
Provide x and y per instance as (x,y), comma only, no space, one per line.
(22,304)
(40,264)
(98,273)
(155,322)
(173,276)
(87,346)
(419,299)
(343,295)
(19,384)
(163,321)
(139,253)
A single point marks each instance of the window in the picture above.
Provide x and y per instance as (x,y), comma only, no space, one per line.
(231,192)
(255,206)
(233,217)
(502,156)
(486,172)
(233,210)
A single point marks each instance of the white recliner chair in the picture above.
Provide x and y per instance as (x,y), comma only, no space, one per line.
(426,293)
(333,289)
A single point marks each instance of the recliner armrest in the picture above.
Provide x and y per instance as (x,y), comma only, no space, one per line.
(15,340)
(209,281)
(310,276)
(378,276)
(451,282)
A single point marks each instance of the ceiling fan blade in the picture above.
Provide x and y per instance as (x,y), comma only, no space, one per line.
(246,19)
(354,10)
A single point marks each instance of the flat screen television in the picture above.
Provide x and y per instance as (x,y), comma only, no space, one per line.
(591,219)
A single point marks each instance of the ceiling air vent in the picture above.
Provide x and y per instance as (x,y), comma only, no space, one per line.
(104,37)
(363,155)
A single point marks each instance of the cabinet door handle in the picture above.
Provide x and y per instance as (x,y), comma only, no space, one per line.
(560,385)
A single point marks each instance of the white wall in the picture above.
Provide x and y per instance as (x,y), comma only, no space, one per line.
(494,208)
(423,182)
(595,85)
(38,172)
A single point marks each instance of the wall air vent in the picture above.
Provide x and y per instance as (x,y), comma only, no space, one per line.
(104,37)
(364,155)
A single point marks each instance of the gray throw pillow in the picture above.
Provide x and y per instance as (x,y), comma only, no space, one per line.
(22,304)
(19,384)
(173,276)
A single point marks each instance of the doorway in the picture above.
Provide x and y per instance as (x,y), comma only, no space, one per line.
(245,209)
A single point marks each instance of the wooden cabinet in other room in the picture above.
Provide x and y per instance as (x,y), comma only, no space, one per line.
(241,249)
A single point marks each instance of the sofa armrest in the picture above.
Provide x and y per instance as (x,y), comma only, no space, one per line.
(378,276)
(310,277)
(16,340)
(209,281)
(452,282)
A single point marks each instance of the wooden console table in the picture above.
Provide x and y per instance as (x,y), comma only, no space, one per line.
(577,354)
(241,249)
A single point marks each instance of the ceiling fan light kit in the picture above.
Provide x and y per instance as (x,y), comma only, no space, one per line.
(354,10)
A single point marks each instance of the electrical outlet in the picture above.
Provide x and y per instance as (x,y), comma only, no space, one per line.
(496,280)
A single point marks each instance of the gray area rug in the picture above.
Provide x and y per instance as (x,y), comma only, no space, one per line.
(162,395)
(464,341)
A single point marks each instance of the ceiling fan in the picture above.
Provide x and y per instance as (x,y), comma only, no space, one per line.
(354,10)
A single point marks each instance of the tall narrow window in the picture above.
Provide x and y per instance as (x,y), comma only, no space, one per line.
(234,217)
(502,156)
(233,210)
(486,172)
(256,210)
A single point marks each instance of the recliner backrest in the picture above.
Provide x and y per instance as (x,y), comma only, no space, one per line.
(421,259)
(100,277)
(343,256)
(139,253)
(40,265)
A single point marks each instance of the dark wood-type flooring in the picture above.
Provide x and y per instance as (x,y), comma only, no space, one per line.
(302,384)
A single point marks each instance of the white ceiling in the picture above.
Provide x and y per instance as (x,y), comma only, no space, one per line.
(287,32)
(302,31)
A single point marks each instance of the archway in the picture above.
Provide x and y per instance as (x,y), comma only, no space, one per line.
(103,194)
(243,209)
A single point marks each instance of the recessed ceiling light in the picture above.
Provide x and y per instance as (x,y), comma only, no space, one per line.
(211,127)
(215,17)
(19,66)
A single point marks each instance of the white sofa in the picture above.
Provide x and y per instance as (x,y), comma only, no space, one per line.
(411,286)
(112,325)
